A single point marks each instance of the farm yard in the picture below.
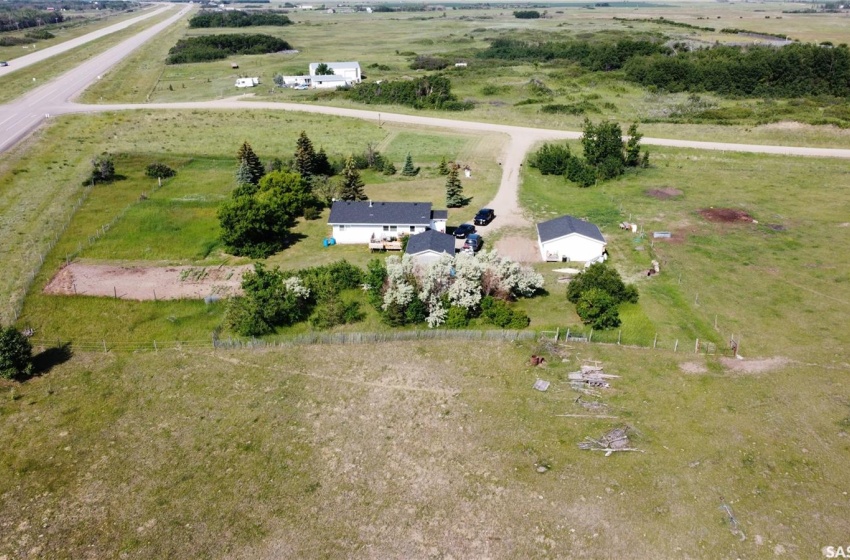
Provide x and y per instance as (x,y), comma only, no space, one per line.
(712,422)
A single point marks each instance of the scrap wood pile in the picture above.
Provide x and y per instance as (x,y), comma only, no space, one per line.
(614,440)
(590,376)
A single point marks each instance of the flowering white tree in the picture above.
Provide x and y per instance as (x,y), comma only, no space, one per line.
(465,291)
(505,277)
(399,289)
(435,282)
(296,286)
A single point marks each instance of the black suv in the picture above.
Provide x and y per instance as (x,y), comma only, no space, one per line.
(484,217)
(463,230)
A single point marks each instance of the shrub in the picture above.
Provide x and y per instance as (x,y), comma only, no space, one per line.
(159,171)
(527,14)
(499,313)
(215,47)
(605,278)
(598,309)
(424,62)
(15,353)
(551,159)
(457,317)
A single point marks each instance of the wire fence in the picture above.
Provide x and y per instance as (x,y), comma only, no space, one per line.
(17,301)
(567,335)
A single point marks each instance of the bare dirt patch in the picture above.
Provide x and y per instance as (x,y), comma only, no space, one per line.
(693,367)
(518,248)
(756,365)
(726,215)
(664,193)
(143,283)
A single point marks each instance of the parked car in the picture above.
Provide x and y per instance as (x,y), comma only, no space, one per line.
(473,243)
(3,63)
(463,230)
(484,217)
(300,86)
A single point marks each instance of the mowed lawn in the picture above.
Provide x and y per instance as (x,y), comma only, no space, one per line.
(419,449)
(136,221)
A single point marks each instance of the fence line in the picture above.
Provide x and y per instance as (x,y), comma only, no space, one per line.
(17,302)
(215,343)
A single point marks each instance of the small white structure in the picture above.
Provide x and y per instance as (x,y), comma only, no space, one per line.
(460,64)
(570,239)
(247,82)
(363,221)
(429,246)
(296,80)
(348,70)
(328,82)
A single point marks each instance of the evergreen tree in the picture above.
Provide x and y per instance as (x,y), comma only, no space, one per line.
(352,184)
(443,168)
(321,164)
(305,156)
(389,168)
(15,353)
(633,157)
(454,190)
(408,170)
(243,174)
(255,166)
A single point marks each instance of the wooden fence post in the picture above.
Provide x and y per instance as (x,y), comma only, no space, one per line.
(676,346)
(696,347)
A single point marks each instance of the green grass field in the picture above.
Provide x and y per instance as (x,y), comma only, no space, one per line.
(418,449)
(497,89)
(429,448)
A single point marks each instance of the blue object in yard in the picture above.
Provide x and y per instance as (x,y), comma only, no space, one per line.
(331,241)
(325,242)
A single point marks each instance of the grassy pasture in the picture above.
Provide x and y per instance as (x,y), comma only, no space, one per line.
(22,81)
(776,282)
(498,88)
(417,449)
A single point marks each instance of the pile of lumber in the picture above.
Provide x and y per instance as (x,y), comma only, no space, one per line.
(614,440)
(590,376)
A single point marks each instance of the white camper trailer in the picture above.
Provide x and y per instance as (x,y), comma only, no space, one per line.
(247,82)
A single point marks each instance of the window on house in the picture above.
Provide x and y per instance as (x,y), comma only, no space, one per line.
(342,228)
(393,228)
(386,228)
(412,229)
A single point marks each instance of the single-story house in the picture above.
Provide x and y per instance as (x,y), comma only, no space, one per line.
(348,70)
(296,80)
(365,221)
(328,82)
(570,239)
(428,246)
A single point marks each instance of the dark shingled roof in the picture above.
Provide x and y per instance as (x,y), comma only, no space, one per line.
(565,225)
(439,214)
(380,213)
(431,240)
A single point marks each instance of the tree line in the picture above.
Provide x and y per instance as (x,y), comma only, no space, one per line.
(602,56)
(237,18)
(790,71)
(427,92)
(216,47)
(15,20)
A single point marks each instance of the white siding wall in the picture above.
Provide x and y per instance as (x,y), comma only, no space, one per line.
(425,258)
(574,247)
(362,234)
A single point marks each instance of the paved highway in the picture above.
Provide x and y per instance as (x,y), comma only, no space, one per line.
(22,116)
(32,58)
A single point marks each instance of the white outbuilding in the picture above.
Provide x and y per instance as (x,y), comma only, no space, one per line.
(570,239)
(348,70)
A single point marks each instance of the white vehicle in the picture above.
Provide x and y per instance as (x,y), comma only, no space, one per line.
(247,82)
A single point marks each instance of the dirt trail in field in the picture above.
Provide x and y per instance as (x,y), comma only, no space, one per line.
(144,283)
